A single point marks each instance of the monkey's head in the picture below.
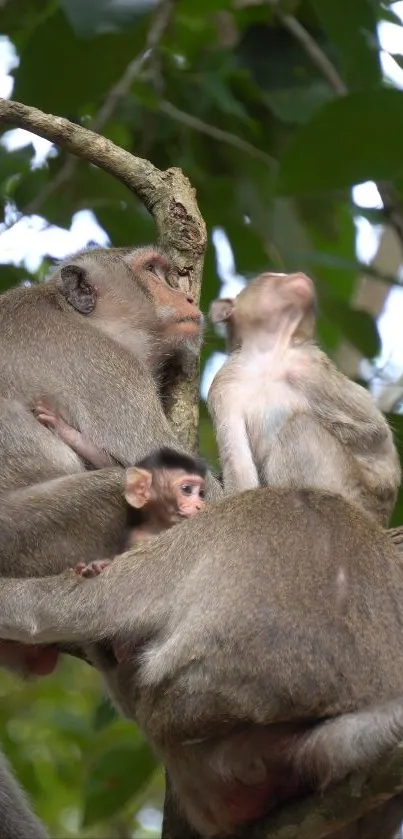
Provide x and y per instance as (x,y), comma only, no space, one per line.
(167,487)
(127,295)
(271,304)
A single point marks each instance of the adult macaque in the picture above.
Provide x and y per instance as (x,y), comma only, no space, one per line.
(284,415)
(266,636)
(95,340)
(92,341)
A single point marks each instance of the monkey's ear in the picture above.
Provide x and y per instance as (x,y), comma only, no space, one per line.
(138,487)
(221,310)
(77,289)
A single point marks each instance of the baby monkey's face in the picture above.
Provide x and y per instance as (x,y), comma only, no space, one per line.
(165,495)
(184,493)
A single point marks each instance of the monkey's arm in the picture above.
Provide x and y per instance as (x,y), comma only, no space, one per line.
(238,467)
(305,453)
(346,408)
(72,609)
(69,608)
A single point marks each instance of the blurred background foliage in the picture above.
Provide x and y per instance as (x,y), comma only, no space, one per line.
(274,110)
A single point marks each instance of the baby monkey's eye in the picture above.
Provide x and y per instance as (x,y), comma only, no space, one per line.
(186,489)
(202,493)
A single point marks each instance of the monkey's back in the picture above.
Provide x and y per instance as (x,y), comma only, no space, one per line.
(312,613)
(305,425)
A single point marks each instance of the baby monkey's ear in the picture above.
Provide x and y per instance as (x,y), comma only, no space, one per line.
(138,487)
(221,310)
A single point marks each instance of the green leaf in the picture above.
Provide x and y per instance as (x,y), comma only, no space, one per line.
(94,17)
(350,140)
(398,58)
(297,104)
(104,714)
(13,166)
(356,325)
(354,33)
(396,423)
(115,778)
(85,70)
(11,276)
(276,59)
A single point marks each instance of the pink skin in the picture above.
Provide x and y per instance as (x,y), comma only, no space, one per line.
(31,660)
(70,436)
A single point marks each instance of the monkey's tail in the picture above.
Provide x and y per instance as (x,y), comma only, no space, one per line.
(350,742)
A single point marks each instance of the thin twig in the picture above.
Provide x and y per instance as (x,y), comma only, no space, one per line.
(316,54)
(392,206)
(160,23)
(217,133)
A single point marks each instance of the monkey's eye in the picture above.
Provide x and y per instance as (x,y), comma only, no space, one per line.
(202,493)
(187,489)
(150,267)
(157,269)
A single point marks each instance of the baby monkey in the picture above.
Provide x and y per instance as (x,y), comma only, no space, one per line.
(161,490)
(284,415)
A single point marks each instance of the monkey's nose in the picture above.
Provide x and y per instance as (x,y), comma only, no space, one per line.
(190,299)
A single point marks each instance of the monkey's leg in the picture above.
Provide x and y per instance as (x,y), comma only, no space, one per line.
(17,821)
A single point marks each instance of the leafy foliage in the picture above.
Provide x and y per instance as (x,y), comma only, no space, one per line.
(277,179)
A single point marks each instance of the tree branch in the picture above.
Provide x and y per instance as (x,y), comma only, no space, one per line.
(217,133)
(321,815)
(169,198)
(161,21)
(392,204)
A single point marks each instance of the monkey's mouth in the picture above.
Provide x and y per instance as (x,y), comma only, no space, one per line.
(189,324)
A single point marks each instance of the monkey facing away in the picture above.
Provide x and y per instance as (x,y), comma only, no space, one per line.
(266,643)
(284,415)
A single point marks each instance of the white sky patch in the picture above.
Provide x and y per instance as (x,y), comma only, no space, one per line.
(29,239)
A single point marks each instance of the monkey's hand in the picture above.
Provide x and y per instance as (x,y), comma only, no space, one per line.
(92,569)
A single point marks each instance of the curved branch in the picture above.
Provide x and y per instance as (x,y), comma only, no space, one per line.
(170,199)
(161,21)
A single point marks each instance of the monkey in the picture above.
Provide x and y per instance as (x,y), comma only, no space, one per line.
(96,339)
(93,341)
(223,655)
(284,415)
(162,490)
(12,801)
(266,641)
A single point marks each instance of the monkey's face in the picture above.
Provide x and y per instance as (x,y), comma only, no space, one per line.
(165,495)
(174,495)
(268,305)
(272,298)
(189,494)
(129,299)
(177,318)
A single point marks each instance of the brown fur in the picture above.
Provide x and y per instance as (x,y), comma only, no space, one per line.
(284,415)
(257,676)
(94,340)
